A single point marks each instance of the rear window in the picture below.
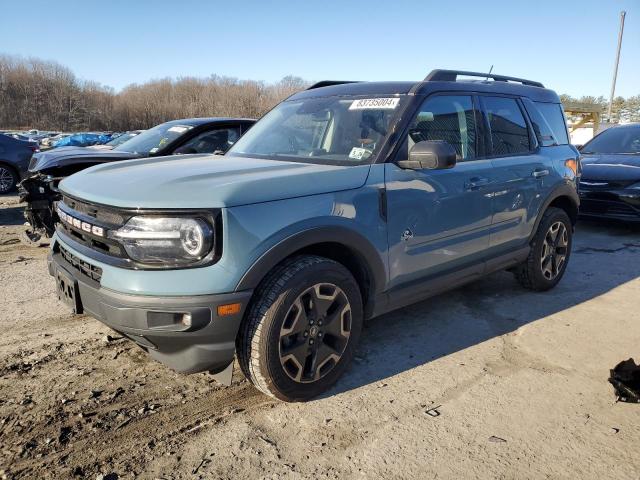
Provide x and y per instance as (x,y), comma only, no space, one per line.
(552,113)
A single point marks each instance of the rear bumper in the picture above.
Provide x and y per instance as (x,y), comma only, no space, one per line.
(153,321)
(617,205)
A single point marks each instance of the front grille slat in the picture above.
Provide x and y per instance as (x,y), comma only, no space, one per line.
(85,268)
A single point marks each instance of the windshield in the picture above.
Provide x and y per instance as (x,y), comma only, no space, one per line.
(331,130)
(615,140)
(152,140)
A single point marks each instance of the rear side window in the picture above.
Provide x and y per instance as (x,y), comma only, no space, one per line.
(507,126)
(552,113)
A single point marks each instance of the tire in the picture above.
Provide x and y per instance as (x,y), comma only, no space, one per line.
(8,179)
(287,347)
(549,255)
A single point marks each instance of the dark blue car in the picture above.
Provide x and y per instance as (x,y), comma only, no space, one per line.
(14,161)
(610,183)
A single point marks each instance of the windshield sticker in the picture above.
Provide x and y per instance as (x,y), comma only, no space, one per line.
(178,129)
(358,153)
(374,103)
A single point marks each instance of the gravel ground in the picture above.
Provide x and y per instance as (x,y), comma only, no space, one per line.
(488,381)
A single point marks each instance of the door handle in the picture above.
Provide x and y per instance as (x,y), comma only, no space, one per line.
(539,173)
(475,183)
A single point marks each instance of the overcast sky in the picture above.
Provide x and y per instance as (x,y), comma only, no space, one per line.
(567,45)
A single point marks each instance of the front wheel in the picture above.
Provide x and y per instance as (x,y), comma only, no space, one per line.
(302,328)
(8,179)
(550,251)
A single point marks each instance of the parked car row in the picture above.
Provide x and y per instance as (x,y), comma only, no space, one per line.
(272,243)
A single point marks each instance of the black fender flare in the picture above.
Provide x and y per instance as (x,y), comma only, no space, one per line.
(564,190)
(367,254)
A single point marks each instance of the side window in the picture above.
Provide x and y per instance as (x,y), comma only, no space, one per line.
(541,127)
(552,113)
(450,118)
(507,126)
(211,141)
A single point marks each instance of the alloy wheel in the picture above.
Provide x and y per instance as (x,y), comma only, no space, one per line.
(554,250)
(315,333)
(6,180)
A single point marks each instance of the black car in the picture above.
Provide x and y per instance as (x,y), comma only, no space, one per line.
(46,169)
(14,160)
(610,183)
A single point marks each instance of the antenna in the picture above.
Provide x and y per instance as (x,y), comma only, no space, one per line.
(490,70)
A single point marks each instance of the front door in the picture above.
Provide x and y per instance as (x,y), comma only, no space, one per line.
(439,220)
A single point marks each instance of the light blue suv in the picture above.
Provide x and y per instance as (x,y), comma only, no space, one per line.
(346,201)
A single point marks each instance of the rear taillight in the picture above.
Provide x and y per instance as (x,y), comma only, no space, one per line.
(34,148)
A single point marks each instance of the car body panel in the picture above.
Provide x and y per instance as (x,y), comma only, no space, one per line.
(208,181)
(610,187)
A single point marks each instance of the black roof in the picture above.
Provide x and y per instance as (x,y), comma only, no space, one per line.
(438,80)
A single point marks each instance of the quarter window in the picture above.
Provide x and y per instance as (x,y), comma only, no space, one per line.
(507,126)
(450,118)
(552,113)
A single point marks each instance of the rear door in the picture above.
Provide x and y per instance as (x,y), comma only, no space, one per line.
(518,170)
(439,220)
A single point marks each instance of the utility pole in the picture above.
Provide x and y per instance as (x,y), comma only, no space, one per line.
(615,69)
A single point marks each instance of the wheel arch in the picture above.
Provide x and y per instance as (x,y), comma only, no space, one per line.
(564,197)
(345,246)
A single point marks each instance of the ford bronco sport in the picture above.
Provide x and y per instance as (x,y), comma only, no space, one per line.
(346,201)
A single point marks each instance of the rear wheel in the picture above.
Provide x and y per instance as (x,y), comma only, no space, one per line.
(8,179)
(302,329)
(550,251)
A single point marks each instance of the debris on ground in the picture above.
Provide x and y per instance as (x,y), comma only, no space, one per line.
(625,378)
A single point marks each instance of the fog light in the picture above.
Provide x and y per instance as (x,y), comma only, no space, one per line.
(186,320)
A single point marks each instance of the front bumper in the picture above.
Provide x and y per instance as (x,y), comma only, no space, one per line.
(612,204)
(151,321)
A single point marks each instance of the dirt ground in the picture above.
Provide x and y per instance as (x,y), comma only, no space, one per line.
(518,381)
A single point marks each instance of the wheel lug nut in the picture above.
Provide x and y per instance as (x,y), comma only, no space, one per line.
(306,334)
(311,341)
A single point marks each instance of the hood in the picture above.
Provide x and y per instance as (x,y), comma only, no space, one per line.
(607,166)
(63,156)
(207,181)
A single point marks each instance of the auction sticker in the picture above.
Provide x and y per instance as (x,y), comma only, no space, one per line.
(358,153)
(374,103)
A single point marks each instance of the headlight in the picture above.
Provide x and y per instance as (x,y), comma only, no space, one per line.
(635,186)
(166,240)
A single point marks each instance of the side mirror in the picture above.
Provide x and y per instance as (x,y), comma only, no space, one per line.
(430,155)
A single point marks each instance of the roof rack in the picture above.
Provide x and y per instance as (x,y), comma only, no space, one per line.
(329,83)
(452,76)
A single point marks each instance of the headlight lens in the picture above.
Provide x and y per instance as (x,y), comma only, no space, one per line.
(166,240)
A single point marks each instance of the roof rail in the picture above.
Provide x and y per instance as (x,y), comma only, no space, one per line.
(452,76)
(328,83)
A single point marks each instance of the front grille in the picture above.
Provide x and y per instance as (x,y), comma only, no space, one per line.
(85,268)
(607,207)
(104,215)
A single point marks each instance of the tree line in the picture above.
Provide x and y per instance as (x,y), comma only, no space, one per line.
(48,96)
